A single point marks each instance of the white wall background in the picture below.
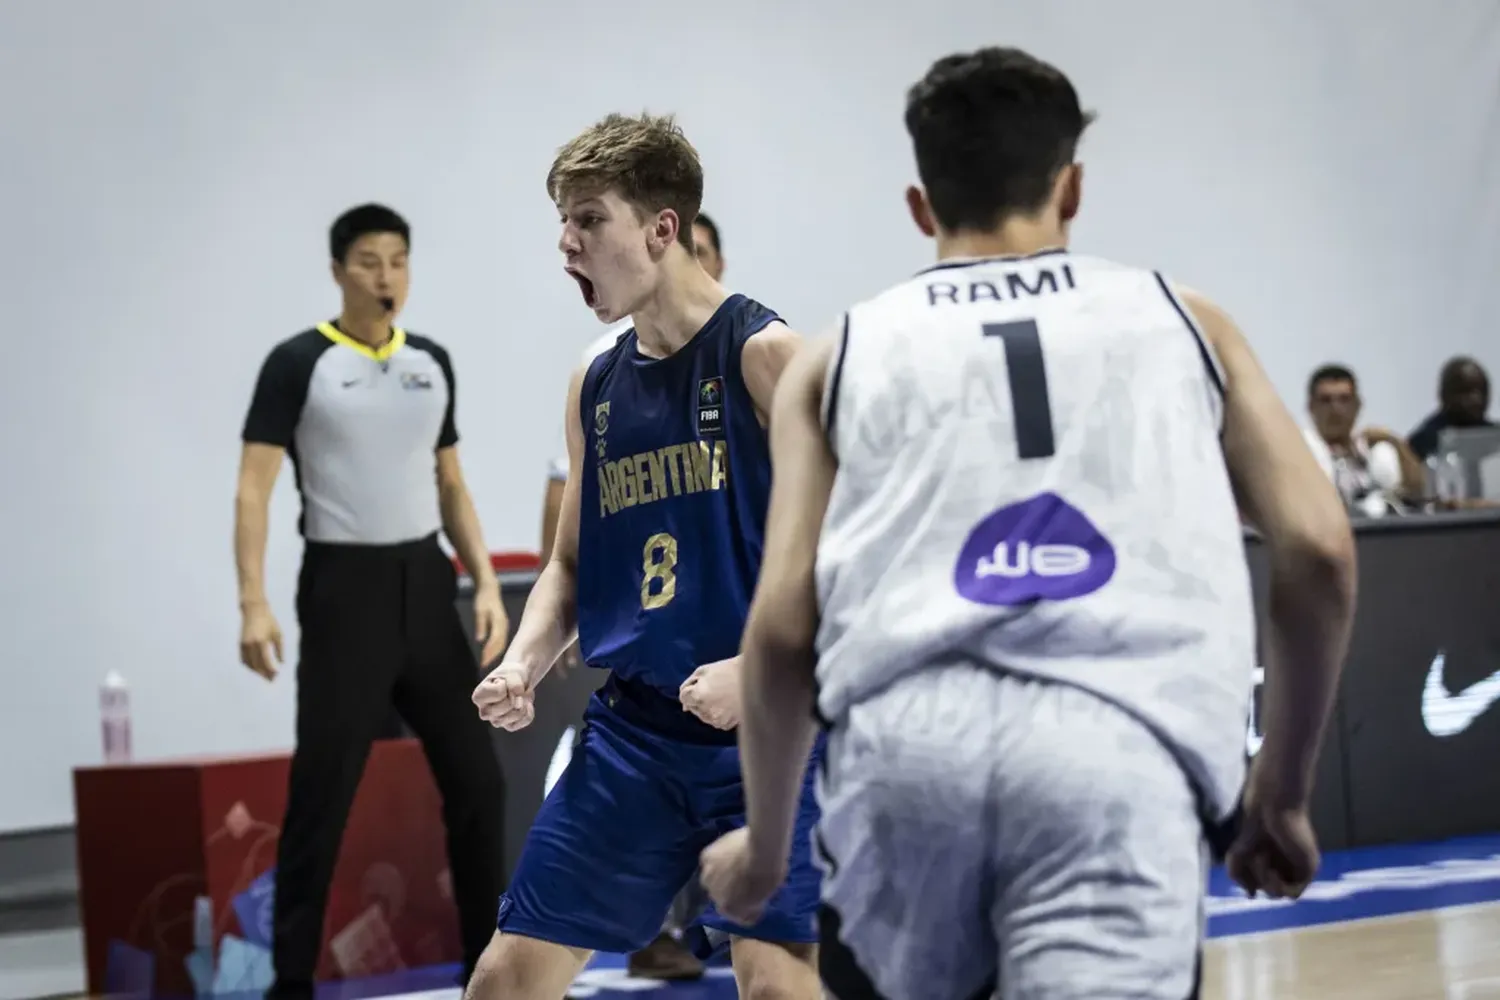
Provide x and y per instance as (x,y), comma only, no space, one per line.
(1326,168)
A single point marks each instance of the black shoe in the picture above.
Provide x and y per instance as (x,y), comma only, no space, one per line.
(290,990)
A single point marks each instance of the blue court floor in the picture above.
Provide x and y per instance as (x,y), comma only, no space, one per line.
(1353,885)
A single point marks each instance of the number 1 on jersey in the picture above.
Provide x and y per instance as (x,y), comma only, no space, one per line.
(659,562)
(1030,403)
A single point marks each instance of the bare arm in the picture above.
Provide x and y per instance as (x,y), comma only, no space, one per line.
(550,622)
(260,465)
(1413,472)
(460,521)
(1312,590)
(762,360)
(551,513)
(778,654)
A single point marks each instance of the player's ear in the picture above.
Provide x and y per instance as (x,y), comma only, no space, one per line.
(921,212)
(667,227)
(1069,191)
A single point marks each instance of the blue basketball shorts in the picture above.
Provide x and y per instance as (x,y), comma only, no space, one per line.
(620,833)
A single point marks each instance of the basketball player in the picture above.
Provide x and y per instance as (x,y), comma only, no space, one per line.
(1004,528)
(666,957)
(707,247)
(656,555)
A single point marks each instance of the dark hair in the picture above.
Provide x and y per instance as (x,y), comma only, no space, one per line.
(991,130)
(362,220)
(713,230)
(1331,373)
(1459,370)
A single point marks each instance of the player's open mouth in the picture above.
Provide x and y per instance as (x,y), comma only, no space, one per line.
(590,295)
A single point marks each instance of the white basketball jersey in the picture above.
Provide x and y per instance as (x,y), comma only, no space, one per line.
(1030,476)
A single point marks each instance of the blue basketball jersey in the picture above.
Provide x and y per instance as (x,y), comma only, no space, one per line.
(676,481)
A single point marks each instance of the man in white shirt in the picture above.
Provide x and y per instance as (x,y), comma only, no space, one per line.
(665,958)
(1373,469)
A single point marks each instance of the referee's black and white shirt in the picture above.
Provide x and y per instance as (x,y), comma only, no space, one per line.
(363,427)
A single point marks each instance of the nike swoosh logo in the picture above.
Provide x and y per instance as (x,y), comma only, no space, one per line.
(1446,714)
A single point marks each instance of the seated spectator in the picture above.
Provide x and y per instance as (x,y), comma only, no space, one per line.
(1463,401)
(1373,469)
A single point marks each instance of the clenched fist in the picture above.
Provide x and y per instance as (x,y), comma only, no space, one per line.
(505,698)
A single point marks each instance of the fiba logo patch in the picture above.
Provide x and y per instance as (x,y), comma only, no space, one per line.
(710,406)
(1041,549)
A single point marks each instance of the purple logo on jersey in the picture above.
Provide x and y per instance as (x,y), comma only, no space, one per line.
(1041,549)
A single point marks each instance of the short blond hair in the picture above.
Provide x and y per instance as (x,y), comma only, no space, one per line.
(645,159)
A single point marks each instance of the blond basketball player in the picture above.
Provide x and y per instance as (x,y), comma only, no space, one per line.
(666,957)
(657,552)
(1004,528)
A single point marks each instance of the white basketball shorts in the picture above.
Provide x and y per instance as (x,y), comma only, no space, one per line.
(982,831)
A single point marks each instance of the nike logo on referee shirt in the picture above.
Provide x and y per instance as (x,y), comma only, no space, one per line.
(1446,714)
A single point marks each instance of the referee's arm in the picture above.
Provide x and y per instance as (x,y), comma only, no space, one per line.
(260,465)
(275,408)
(460,521)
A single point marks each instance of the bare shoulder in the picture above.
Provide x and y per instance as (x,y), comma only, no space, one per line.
(763,361)
(814,355)
(776,341)
(575,383)
(806,374)
(1212,319)
(573,420)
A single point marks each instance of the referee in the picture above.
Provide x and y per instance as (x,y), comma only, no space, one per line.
(365,410)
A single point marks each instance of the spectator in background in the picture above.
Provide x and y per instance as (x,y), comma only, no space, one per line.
(1373,469)
(1463,401)
(665,958)
(706,246)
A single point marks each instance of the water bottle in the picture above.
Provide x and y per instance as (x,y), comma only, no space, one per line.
(114,711)
(203,924)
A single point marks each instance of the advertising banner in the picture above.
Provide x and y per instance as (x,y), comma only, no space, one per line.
(1413,747)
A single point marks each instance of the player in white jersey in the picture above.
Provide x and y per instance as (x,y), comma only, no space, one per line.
(1004,561)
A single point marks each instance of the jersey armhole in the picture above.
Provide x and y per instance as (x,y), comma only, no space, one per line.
(1211,363)
(832,381)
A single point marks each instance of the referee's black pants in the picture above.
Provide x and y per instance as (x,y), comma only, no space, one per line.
(380,625)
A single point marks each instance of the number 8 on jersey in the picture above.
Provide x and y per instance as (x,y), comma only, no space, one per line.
(659,571)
